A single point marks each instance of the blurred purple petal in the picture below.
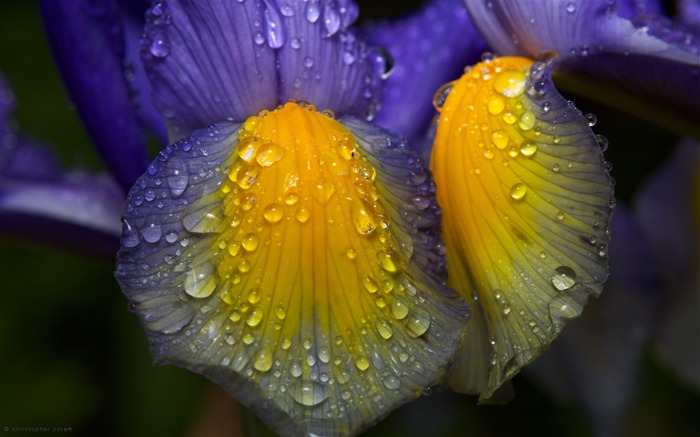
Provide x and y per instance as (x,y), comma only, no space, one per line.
(323,62)
(428,48)
(597,361)
(86,38)
(689,13)
(668,207)
(644,59)
(79,211)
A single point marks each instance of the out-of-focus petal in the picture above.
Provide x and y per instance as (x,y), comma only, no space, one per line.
(526,200)
(689,13)
(324,62)
(640,62)
(428,48)
(87,41)
(78,210)
(598,360)
(668,208)
(293,260)
(211,61)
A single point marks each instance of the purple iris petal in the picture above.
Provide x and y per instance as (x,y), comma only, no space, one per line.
(689,13)
(210,61)
(645,57)
(323,62)
(597,360)
(667,208)
(87,41)
(427,50)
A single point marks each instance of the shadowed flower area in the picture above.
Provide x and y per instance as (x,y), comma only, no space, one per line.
(332,209)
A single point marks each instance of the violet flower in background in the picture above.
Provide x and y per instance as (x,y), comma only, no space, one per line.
(190,73)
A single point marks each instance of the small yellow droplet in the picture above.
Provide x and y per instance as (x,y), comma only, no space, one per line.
(388,260)
(488,154)
(384,330)
(303,214)
(399,310)
(291,198)
(496,104)
(509,118)
(254,317)
(346,147)
(363,218)
(513,152)
(247,202)
(248,338)
(528,149)
(500,139)
(269,154)
(510,83)
(250,242)
(246,176)
(351,254)
(527,120)
(280,312)
(244,266)
(263,360)
(252,123)
(380,301)
(362,363)
(370,284)
(254,295)
(560,215)
(248,148)
(235,316)
(273,212)
(322,191)
(517,192)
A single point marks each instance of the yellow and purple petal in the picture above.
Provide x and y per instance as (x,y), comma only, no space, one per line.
(526,200)
(294,259)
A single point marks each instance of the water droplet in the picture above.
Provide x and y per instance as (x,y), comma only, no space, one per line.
(591,118)
(518,191)
(564,278)
(243,266)
(296,43)
(322,191)
(496,104)
(291,198)
(370,284)
(303,214)
(269,154)
(250,242)
(392,383)
(152,233)
(313,12)
(384,330)
(346,148)
(255,317)
(602,142)
(500,139)
(247,175)
(275,30)
(388,259)
(248,338)
(130,235)
(488,154)
(199,281)
(418,323)
(441,95)
(177,180)
(362,363)
(399,310)
(248,148)
(160,46)
(309,393)
(571,8)
(528,149)
(510,83)
(263,360)
(527,121)
(351,254)
(331,19)
(235,316)
(252,123)
(254,295)
(273,212)
(363,218)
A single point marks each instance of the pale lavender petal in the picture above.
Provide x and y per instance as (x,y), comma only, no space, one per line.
(428,48)
(644,59)
(208,61)
(322,61)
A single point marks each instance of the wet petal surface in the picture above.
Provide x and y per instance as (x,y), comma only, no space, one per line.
(285,265)
(526,201)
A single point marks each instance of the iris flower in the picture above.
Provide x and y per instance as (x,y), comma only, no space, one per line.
(290,244)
